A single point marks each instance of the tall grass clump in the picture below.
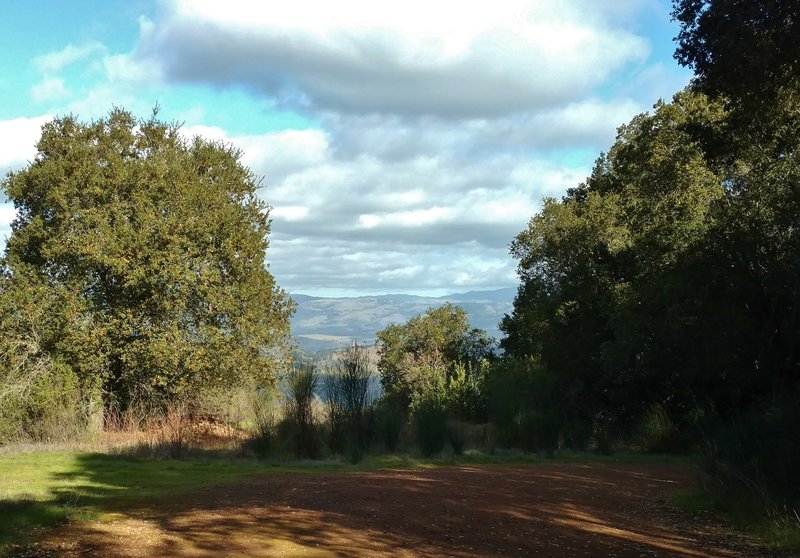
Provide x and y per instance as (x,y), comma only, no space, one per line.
(265,419)
(302,386)
(349,402)
(661,433)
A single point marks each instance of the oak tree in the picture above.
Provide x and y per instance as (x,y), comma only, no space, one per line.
(149,251)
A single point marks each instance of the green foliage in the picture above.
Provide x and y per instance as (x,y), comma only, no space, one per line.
(430,425)
(424,352)
(756,453)
(662,293)
(456,437)
(390,420)
(53,409)
(613,267)
(659,432)
(741,49)
(147,251)
(525,405)
(466,397)
(41,398)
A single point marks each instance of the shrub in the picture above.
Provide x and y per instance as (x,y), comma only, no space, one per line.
(575,433)
(53,407)
(523,405)
(537,430)
(390,420)
(430,422)
(660,433)
(758,452)
(466,392)
(456,437)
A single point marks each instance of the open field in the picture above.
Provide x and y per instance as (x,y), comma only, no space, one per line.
(539,509)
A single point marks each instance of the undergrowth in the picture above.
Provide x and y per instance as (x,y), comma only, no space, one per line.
(777,526)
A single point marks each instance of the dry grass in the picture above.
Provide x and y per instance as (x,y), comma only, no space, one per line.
(175,435)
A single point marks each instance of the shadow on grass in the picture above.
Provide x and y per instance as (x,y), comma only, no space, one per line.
(91,484)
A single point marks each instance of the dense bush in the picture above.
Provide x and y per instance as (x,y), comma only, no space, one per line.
(524,405)
(758,452)
(43,400)
(456,436)
(661,431)
(390,419)
(466,397)
(430,426)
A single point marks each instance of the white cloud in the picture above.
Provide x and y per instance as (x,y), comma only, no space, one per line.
(18,138)
(290,212)
(589,123)
(122,68)
(441,125)
(56,61)
(358,222)
(443,58)
(49,89)
(7,215)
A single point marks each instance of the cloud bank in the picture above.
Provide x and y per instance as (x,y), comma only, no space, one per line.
(435,128)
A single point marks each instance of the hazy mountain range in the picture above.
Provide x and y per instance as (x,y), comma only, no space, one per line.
(328,323)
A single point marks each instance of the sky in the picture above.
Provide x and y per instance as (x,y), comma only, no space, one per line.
(402,145)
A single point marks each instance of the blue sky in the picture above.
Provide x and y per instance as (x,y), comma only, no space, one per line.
(402,145)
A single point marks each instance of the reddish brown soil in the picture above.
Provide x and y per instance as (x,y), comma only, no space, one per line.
(540,511)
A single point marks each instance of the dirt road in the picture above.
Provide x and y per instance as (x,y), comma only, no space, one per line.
(540,511)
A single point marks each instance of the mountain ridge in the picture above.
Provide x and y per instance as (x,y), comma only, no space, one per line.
(324,323)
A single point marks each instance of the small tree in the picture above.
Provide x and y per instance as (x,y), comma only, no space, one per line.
(441,339)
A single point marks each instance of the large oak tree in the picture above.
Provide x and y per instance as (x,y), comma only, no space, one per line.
(148,252)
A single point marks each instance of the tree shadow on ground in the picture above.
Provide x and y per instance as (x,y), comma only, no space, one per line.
(548,510)
(99,482)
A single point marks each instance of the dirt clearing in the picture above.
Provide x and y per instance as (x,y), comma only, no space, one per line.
(539,510)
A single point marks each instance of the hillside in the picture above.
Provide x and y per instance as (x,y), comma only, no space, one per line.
(326,323)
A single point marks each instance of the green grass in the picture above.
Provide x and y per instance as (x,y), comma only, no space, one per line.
(41,489)
(693,500)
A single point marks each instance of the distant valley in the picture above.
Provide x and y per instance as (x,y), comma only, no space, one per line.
(322,324)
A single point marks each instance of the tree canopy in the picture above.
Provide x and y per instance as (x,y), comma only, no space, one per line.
(740,49)
(440,339)
(666,285)
(148,252)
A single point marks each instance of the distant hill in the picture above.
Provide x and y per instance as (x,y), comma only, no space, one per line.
(321,323)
